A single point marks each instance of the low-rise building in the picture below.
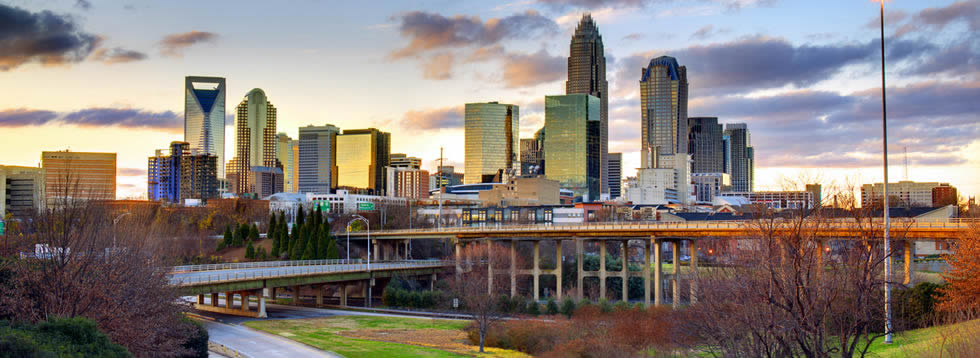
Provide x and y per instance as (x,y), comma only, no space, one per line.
(22,190)
(906,193)
(777,200)
(523,192)
(708,185)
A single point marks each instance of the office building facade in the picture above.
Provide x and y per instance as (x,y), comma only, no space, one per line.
(663,107)
(289,162)
(902,193)
(182,174)
(78,176)
(742,157)
(317,160)
(709,185)
(402,160)
(706,145)
(255,144)
(408,183)
(587,75)
(204,116)
(263,182)
(362,156)
(492,147)
(572,143)
(21,190)
(615,177)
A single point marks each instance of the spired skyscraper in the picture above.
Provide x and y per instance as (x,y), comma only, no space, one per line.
(492,142)
(587,75)
(204,116)
(663,105)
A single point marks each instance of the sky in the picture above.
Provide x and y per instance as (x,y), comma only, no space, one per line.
(804,76)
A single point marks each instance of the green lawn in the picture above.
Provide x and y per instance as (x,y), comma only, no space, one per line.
(921,342)
(420,337)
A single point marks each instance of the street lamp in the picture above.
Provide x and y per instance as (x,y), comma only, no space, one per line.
(884,159)
(366,224)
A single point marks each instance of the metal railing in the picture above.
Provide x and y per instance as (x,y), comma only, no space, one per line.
(280,272)
(262,264)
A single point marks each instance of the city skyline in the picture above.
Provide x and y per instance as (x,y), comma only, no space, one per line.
(811,116)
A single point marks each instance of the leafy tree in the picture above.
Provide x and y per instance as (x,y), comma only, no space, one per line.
(197,343)
(249,250)
(963,274)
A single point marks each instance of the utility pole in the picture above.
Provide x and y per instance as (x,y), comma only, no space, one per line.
(884,158)
(441,177)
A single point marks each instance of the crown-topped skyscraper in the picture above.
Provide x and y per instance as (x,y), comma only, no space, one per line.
(587,75)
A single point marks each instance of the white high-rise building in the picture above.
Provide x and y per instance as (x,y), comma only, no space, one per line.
(204,116)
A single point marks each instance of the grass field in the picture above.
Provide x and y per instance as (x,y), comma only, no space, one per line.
(375,336)
(928,342)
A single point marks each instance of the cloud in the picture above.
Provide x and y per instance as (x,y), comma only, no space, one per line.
(932,19)
(430,31)
(42,37)
(173,45)
(438,118)
(118,55)
(636,36)
(131,172)
(83,4)
(708,31)
(600,4)
(438,67)
(125,118)
(22,117)
(528,70)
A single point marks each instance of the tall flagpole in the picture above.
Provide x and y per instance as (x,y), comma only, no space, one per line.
(884,158)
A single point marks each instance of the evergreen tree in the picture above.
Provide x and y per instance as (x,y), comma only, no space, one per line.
(271,229)
(323,237)
(275,245)
(249,250)
(300,216)
(333,252)
(300,245)
(253,233)
(293,239)
(310,252)
(228,237)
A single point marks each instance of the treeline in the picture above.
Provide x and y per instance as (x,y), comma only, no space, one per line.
(310,238)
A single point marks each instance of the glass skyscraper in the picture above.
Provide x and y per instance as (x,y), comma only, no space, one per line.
(492,141)
(572,143)
(318,158)
(706,145)
(284,154)
(742,157)
(362,155)
(255,144)
(204,116)
(615,175)
(663,107)
(587,75)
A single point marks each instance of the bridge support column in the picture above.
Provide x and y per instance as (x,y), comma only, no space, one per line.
(376,250)
(675,282)
(646,272)
(658,273)
(580,256)
(364,292)
(229,300)
(557,272)
(296,295)
(602,269)
(513,268)
(489,266)
(214,299)
(262,313)
(625,271)
(200,299)
(319,294)
(245,301)
(536,270)
(907,248)
(694,271)
(343,294)
(432,282)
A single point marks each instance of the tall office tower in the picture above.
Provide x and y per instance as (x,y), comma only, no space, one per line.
(572,144)
(492,141)
(185,173)
(318,158)
(290,165)
(726,150)
(255,145)
(615,175)
(742,162)
(587,74)
(663,106)
(204,116)
(362,155)
(78,175)
(402,160)
(21,191)
(706,145)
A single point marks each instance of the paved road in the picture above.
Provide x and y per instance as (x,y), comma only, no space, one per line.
(289,270)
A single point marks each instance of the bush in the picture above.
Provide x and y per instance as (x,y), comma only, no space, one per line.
(623,306)
(605,306)
(504,304)
(533,308)
(414,299)
(61,337)
(552,307)
(197,343)
(567,307)
(916,305)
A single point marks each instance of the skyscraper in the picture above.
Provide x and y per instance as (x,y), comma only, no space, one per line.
(204,116)
(663,106)
(492,141)
(362,155)
(183,174)
(317,158)
(706,145)
(290,167)
(587,74)
(255,144)
(742,157)
(572,144)
(615,175)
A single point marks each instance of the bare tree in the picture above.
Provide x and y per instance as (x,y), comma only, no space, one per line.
(477,288)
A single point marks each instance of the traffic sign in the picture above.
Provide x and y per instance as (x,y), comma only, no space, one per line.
(365,206)
(1,227)
(323,205)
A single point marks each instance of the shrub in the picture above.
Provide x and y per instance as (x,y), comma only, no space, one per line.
(567,307)
(504,304)
(605,306)
(623,306)
(533,308)
(427,299)
(58,337)
(414,299)
(388,296)
(916,305)
(197,343)
(552,307)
